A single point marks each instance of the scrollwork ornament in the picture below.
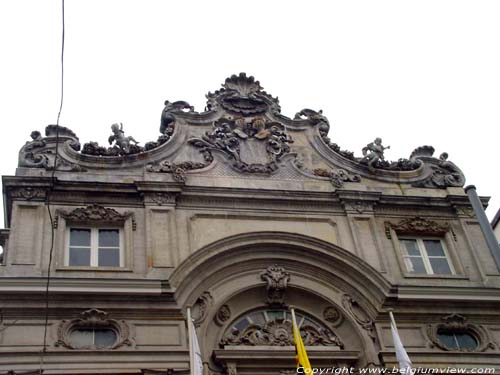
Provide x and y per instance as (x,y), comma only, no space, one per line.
(90,319)
(359,314)
(253,147)
(201,307)
(278,332)
(457,324)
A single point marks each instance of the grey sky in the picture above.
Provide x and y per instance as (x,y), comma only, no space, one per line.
(413,73)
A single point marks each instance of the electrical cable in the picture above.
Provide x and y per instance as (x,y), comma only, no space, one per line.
(48,202)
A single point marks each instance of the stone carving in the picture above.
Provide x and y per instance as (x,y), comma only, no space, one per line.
(277,282)
(444,174)
(32,154)
(231,368)
(359,315)
(93,318)
(254,147)
(124,143)
(200,309)
(373,152)
(59,131)
(244,96)
(333,315)
(223,315)
(418,226)
(337,177)
(29,193)
(161,198)
(95,213)
(178,170)
(278,332)
(358,205)
(456,323)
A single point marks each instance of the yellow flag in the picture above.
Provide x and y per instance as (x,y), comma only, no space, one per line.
(300,349)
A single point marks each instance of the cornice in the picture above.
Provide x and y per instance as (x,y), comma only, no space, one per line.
(34,285)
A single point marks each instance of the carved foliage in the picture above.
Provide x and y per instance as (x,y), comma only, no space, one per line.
(96,214)
(29,193)
(178,170)
(337,177)
(278,332)
(254,147)
(457,324)
(418,226)
(91,319)
(277,281)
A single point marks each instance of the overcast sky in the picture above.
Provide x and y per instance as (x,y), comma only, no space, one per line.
(413,73)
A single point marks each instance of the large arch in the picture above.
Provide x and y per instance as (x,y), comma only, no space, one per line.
(225,279)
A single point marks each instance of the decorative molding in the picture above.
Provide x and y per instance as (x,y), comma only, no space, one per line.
(222,315)
(277,282)
(254,147)
(456,323)
(359,314)
(97,214)
(419,226)
(93,318)
(333,315)
(200,309)
(278,332)
(178,170)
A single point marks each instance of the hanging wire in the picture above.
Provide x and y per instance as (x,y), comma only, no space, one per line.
(48,201)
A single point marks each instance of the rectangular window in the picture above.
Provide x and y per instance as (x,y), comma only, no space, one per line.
(426,256)
(95,247)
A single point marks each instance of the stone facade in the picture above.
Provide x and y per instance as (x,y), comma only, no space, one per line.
(240,213)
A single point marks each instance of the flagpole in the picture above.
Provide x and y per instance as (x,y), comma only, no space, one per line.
(190,335)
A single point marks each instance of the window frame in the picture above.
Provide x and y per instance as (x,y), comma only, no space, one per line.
(419,240)
(94,245)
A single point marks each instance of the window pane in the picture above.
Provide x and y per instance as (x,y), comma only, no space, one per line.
(109,257)
(82,338)
(410,247)
(440,266)
(434,248)
(466,341)
(109,238)
(447,339)
(104,338)
(79,237)
(415,265)
(79,257)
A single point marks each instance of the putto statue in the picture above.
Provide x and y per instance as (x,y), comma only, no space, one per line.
(373,152)
(120,139)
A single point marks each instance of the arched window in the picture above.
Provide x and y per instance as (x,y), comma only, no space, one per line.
(264,327)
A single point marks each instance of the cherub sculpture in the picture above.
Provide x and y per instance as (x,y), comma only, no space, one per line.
(120,139)
(373,152)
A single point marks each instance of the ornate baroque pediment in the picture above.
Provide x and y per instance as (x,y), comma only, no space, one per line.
(242,132)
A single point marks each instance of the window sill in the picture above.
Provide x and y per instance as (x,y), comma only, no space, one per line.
(434,276)
(94,269)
